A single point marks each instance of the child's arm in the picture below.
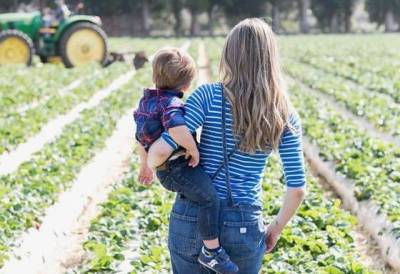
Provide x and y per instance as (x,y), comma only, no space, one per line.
(159,152)
(146,174)
(184,138)
(174,122)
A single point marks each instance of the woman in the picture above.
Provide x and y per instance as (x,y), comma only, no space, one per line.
(243,119)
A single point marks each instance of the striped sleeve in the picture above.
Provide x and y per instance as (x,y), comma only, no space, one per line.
(196,108)
(291,153)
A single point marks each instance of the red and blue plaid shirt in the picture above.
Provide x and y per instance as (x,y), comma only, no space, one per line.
(158,111)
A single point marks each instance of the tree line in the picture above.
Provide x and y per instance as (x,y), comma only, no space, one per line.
(331,15)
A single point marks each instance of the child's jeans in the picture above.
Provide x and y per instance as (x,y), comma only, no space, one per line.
(195,185)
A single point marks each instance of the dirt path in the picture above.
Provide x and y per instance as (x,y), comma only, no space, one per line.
(371,224)
(376,248)
(203,65)
(366,246)
(57,244)
(9,162)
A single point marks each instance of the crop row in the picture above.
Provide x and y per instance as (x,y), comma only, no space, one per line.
(371,164)
(370,80)
(26,193)
(22,85)
(361,55)
(318,240)
(378,108)
(132,213)
(214,51)
(16,127)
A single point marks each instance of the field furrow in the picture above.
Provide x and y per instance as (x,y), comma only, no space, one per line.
(17,127)
(26,193)
(22,86)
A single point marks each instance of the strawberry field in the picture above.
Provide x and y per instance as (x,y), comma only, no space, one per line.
(69,197)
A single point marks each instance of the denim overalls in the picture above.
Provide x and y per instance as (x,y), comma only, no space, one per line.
(241,230)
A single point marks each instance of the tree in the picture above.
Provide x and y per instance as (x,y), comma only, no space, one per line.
(212,6)
(176,7)
(236,10)
(333,15)
(384,12)
(275,14)
(195,7)
(303,6)
(141,11)
(11,5)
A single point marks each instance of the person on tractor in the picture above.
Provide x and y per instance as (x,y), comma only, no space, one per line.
(62,11)
(47,17)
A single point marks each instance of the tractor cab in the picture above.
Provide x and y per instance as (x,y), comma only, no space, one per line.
(75,39)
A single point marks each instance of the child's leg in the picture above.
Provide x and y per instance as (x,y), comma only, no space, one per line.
(197,186)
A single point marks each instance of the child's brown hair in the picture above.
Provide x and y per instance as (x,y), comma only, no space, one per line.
(173,68)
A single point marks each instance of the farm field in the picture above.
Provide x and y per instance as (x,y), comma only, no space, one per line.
(69,197)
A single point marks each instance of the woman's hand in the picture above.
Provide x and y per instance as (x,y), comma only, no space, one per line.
(194,157)
(292,200)
(273,234)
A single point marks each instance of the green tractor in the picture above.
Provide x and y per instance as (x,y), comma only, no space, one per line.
(76,40)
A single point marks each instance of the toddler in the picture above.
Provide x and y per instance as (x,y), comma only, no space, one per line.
(162,109)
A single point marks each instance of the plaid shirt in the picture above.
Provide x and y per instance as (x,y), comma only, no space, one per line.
(158,111)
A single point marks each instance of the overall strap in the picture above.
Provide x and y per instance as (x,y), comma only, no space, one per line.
(225,151)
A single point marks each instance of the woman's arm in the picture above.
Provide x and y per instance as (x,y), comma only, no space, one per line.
(292,200)
(196,109)
(291,153)
(160,150)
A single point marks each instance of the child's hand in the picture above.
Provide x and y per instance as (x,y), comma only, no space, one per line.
(146,175)
(194,156)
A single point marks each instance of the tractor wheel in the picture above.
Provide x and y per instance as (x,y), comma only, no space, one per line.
(15,48)
(83,43)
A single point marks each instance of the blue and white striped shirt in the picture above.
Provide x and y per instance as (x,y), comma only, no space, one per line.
(203,108)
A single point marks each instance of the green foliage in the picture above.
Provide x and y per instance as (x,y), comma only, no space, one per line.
(332,15)
(17,127)
(236,9)
(36,184)
(377,9)
(368,162)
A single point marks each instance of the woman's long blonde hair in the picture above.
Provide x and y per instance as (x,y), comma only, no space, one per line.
(251,74)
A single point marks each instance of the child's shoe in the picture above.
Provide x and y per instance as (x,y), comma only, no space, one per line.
(217,261)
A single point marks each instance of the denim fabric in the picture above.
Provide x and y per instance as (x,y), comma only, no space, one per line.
(242,235)
(195,185)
